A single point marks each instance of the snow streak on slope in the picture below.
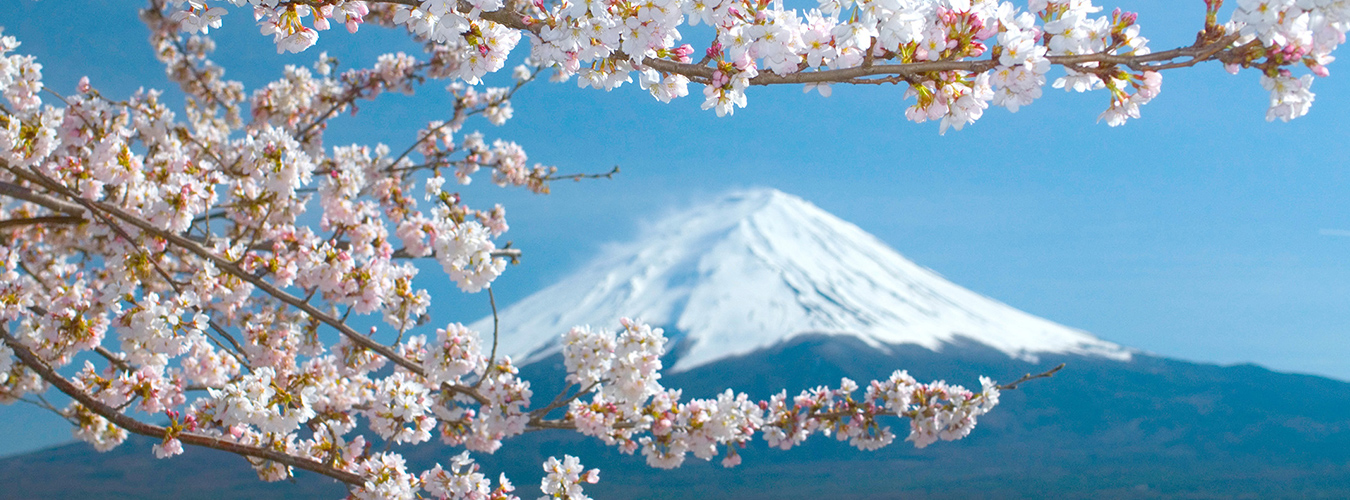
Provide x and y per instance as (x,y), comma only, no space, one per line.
(760,267)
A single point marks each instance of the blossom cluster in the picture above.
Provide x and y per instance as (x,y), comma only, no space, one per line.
(463,480)
(956,56)
(564,478)
(629,401)
(175,247)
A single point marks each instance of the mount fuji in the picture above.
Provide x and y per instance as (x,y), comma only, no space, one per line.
(761,291)
(761,267)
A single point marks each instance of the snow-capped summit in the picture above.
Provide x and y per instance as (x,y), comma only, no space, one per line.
(759,267)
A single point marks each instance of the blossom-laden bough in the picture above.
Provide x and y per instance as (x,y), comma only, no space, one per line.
(158,268)
(955,56)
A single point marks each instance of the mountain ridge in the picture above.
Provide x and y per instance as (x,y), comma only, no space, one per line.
(758,267)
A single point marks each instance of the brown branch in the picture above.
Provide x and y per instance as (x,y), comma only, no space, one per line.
(112,358)
(1046,374)
(510,253)
(50,219)
(238,354)
(537,415)
(492,358)
(576,177)
(16,191)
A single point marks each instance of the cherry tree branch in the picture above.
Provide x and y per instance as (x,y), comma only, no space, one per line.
(492,358)
(1046,374)
(33,362)
(19,192)
(51,219)
(576,177)
(1210,45)
(510,253)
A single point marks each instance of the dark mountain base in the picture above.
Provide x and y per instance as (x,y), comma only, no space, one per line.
(1148,428)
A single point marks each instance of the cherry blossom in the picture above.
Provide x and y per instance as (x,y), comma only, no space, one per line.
(207,261)
(565,477)
(1289,96)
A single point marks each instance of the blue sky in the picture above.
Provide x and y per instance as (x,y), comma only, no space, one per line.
(1199,232)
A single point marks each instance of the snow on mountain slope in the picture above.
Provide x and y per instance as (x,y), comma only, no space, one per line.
(759,267)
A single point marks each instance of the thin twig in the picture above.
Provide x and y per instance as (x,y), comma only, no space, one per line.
(112,358)
(492,358)
(576,177)
(559,401)
(1046,374)
(46,405)
(510,253)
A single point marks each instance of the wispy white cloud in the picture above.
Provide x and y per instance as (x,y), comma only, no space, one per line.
(1334,232)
